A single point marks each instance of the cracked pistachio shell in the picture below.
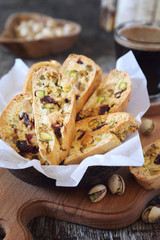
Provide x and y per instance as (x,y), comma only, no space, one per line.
(97,192)
(151,214)
(116,184)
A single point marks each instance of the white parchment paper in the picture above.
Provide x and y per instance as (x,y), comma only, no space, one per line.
(128,154)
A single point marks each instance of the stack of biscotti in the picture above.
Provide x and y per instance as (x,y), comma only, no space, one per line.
(112,95)
(100,134)
(17,126)
(56,95)
(148,176)
(84,74)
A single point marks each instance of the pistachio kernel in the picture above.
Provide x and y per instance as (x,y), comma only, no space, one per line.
(40,93)
(147,162)
(27,106)
(45,136)
(98,139)
(151,214)
(65,72)
(89,68)
(66,88)
(49,106)
(93,123)
(101,99)
(11,137)
(122,86)
(154,171)
(73,73)
(115,73)
(112,124)
(97,193)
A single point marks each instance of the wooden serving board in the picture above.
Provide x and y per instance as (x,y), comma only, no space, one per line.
(20,202)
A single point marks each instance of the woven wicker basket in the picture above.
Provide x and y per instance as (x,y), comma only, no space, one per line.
(94,175)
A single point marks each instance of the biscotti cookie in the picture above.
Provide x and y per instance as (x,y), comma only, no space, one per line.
(120,123)
(148,176)
(84,74)
(28,80)
(97,142)
(17,126)
(98,135)
(112,95)
(54,108)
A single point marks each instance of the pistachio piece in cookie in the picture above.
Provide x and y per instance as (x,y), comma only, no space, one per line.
(27,106)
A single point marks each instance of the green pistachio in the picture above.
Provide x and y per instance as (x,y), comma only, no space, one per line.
(122,86)
(65,72)
(89,68)
(40,93)
(49,106)
(93,123)
(112,124)
(66,87)
(154,171)
(27,106)
(73,73)
(147,162)
(45,136)
(101,99)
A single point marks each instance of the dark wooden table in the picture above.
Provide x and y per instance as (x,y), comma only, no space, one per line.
(98,45)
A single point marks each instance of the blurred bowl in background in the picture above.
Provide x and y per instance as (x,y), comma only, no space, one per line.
(33,35)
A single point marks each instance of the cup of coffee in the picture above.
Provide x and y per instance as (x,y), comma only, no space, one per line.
(143,38)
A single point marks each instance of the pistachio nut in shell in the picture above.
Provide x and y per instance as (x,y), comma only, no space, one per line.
(151,214)
(116,184)
(97,192)
(147,126)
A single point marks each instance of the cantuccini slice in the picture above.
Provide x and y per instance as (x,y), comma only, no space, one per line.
(17,126)
(54,108)
(112,95)
(84,74)
(28,80)
(148,176)
(100,134)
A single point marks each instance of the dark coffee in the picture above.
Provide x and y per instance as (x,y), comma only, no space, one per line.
(144,41)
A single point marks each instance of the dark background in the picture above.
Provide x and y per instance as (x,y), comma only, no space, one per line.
(93,41)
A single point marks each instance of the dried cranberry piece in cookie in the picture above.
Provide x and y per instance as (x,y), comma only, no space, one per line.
(103,109)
